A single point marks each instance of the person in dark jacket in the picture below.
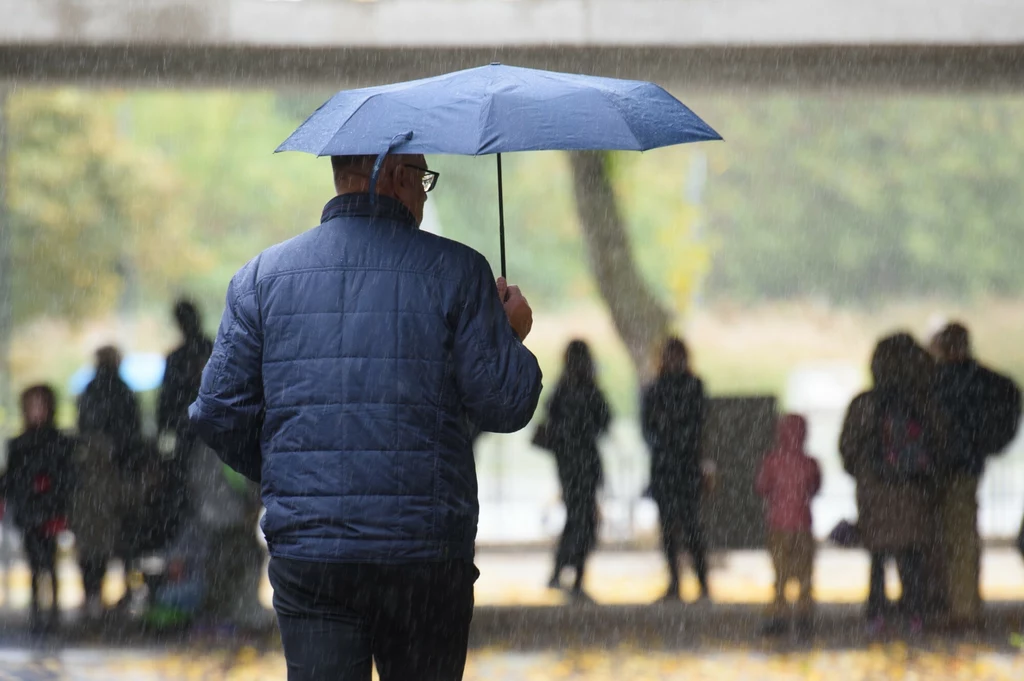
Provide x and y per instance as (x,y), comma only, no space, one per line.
(36,487)
(175,438)
(896,494)
(578,415)
(184,371)
(672,416)
(984,409)
(353,366)
(108,408)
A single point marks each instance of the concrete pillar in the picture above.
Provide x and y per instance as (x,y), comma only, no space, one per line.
(7,415)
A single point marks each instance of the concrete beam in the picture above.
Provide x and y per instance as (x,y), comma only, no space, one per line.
(884,69)
(503,23)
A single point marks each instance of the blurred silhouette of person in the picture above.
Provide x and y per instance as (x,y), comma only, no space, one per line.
(984,409)
(36,488)
(175,437)
(110,424)
(95,516)
(888,445)
(788,480)
(109,409)
(578,415)
(672,417)
(184,372)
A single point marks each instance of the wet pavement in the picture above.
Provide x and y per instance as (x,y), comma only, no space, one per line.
(519,577)
(524,631)
(959,663)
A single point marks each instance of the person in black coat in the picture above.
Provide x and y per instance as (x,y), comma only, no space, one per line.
(36,487)
(184,371)
(578,415)
(175,438)
(109,408)
(984,408)
(672,414)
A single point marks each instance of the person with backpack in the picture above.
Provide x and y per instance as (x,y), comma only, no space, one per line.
(984,409)
(888,445)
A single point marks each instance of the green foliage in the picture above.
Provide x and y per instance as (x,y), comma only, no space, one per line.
(236,194)
(854,199)
(87,209)
(849,199)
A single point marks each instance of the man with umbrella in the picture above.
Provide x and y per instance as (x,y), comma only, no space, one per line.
(353,366)
(356,362)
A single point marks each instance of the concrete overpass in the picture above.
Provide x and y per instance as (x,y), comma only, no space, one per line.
(888,45)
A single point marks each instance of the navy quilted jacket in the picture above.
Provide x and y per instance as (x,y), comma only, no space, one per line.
(353,366)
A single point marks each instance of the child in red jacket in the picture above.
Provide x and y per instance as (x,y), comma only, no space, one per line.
(35,488)
(787,481)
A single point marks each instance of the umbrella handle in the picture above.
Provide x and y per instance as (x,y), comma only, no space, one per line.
(501,218)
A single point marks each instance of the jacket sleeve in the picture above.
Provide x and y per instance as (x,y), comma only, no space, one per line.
(499,380)
(228,414)
(165,415)
(647,417)
(762,485)
(604,414)
(858,435)
(815,478)
(697,412)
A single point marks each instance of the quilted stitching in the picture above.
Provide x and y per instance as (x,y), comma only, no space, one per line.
(366,436)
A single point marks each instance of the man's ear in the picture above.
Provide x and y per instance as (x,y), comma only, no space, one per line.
(398,176)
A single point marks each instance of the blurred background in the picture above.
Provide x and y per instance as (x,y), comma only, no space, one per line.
(781,254)
(869,181)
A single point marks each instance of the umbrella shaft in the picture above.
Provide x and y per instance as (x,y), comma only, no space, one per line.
(501,218)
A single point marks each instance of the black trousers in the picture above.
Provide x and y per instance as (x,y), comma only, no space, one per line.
(94,570)
(337,619)
(41,551)
(680,526)
(911,566)
(579,534)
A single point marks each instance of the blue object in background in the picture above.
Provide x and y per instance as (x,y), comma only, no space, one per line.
(142,371)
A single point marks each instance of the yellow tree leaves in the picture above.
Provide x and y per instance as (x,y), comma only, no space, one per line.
(89,210)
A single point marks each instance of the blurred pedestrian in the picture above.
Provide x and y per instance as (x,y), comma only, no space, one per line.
(109,409)
(353,367)
(95,516)
(578,415)
(985,411)
(788,480)
(672,416)
(888,444)
(183,373)
(36,486)
(175,437)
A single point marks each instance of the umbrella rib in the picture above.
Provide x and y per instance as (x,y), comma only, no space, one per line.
(625,119)
(347,119)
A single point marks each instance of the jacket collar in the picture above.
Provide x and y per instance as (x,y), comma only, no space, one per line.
(360,206)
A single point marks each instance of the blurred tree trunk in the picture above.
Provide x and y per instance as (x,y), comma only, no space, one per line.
(638,317)
(6,415)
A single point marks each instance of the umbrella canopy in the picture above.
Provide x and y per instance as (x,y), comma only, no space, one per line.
(496,109)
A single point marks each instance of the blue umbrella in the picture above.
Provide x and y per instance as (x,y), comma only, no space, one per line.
(496,109)
(141,371)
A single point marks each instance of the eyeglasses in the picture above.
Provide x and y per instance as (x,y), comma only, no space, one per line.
(429,177)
